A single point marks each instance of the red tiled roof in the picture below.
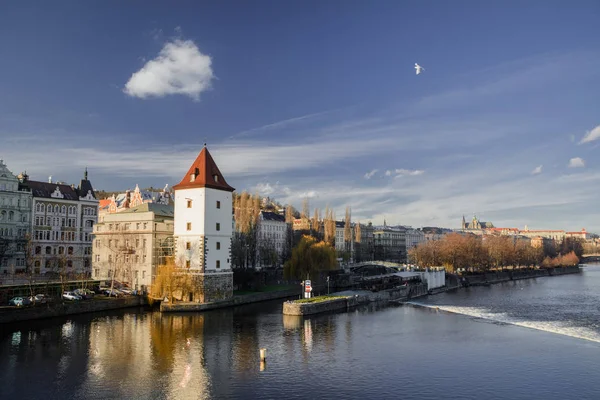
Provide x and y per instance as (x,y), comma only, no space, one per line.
(104,203)
(205,174)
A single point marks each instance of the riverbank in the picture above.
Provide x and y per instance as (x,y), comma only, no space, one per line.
(61,309)
(352,298)
(236,300)
(513,275)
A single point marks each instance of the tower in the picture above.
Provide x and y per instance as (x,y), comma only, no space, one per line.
(464,223)
(203,229)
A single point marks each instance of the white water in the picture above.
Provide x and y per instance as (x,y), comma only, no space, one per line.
(557,327)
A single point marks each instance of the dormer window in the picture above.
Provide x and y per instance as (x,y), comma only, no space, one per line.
(216,178)
(194,175)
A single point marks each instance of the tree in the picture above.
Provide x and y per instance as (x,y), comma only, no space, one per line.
(358,256)
(171,281)
(329,227)
(348,232)
(308,258)
(315,221)
(266,252)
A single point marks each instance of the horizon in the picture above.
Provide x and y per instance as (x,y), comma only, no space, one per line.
(320,101)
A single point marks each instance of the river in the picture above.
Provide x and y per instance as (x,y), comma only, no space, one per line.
(530,339)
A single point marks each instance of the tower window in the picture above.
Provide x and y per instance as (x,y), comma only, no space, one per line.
(187,263)
(189,226)
(218,226)
(189,204)
(188,245)
(218,245)
(218,263)
(216,177)
(218,204)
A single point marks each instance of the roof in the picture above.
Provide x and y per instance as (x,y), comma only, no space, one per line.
(46,189)
(271,216)
(156,208)
(204,173)
(104,203)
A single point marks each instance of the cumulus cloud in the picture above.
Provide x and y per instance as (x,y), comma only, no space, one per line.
(179,68)
(537,170)
(265,189)
(388,173)
(370,174)
(591,136)
(576,162)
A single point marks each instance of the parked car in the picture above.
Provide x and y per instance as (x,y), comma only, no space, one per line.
(70,296)
(113,293)
(84,293)
(39,299)
(19,301)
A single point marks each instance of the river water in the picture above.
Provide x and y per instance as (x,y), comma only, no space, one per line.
(530,339)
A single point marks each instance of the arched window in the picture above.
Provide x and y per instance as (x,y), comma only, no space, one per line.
(48,250)
(56,208)
(2,215)
(63,209)
(61,250)
(42,207)
(70,250)
(11,215)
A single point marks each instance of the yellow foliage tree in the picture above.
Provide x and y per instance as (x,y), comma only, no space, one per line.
(308,258)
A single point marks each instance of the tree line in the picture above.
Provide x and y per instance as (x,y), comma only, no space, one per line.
(482,253)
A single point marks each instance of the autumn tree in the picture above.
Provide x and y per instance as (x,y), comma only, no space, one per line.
(348,231)
(171,282)
(358,256)
(315,222)
(309,257)
(329,227)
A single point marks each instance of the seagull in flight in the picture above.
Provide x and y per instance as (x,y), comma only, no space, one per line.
(419,68)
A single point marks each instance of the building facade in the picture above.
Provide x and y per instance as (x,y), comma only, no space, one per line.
(128,199)
(390,243)
(272,236)
(130,245)
(15,223)
(63,217)
(203,229)
(414,237)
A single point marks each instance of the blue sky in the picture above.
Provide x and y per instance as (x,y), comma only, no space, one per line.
(317,99)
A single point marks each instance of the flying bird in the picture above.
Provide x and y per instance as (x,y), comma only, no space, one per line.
(419,68)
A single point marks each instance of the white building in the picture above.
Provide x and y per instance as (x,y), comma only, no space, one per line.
(15,223)
(63,217)
(130,245)
(203,229)
(414,237)
(272,236)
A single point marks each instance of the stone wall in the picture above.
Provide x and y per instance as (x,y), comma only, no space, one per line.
(235,301)
(292,308)
(209,288)
(68,308)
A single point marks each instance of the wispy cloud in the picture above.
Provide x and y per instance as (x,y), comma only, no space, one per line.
(370,174)
(576,162)
(591,136)
(408,172)
(180,68)
(537,170)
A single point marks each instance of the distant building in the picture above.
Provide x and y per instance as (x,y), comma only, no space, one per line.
(130,245)
(414,237)
(15,222)
(475,224)
(128,199)
(390,243)
(582,235)
(272,236)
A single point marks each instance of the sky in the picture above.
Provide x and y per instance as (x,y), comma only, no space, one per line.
(317,99)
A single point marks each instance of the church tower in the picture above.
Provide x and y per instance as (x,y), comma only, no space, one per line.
(203,229)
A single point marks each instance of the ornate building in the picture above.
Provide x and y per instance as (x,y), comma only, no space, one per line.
(15,221)
(128,199)
(63,217)
(475,224)
(203,229)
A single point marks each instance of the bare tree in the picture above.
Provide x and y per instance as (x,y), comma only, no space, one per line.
(315,221)
(348,231)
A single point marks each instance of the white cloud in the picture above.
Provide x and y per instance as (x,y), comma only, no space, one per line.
(265,189)
(591,136)
(179,68)
(370,174)
(576,162)
(388,173)
(537,170)
(409,172)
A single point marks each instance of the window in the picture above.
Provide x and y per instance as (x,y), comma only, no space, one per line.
(216,177)
(189,204)
(218,263)
(48,250)
(218,204)
(187,263)
(143,274)
(188,245)
(189,226)
(218,245)
(144,243)
(137,242)
(218,226)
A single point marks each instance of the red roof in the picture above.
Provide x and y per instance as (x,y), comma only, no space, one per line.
(204,173)
(103,203)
